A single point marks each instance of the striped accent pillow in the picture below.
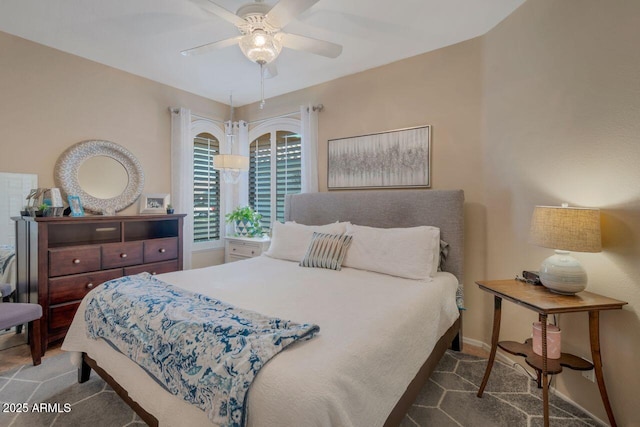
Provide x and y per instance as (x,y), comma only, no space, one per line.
(326,251)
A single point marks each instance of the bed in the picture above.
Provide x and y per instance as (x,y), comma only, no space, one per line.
(395,328)
(7,269)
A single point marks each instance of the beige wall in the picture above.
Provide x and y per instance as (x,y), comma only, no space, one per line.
(543,109)
(561,110)
(52,100)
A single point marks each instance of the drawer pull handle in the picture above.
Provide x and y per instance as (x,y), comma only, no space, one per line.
(105,229)
(90,285)
(234,249)
(253,252)
(76,261)
(123,255)
(162,250)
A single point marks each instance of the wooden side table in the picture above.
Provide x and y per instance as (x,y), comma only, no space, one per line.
(545,302)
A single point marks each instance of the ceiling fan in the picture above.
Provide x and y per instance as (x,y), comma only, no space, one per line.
(261,38)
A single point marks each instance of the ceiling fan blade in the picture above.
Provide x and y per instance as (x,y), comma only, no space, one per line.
(286,10)
(205,48)
(220,11)
(270,70)
(307,44)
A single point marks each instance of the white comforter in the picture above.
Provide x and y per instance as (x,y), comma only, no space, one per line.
(376,331)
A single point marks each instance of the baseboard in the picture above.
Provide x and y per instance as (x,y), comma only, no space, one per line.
(504,358)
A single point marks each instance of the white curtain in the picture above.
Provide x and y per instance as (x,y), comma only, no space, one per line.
(230,192)
(242,148)
(309,134)
(181,175)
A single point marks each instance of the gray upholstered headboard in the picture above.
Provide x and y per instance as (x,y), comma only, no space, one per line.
(388,209)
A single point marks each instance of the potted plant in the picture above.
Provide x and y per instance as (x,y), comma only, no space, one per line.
(42,210)
(25,211)
(246,221)
(170,209)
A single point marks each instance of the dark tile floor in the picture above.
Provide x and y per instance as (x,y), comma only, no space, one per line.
(510,399)
(93,403)
(448,399)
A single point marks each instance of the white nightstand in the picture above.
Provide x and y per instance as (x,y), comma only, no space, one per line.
(239,248)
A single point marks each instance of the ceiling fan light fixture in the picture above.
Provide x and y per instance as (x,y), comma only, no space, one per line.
(260,46)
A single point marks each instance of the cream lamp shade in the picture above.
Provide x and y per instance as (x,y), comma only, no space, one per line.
(231,165)
(565,229)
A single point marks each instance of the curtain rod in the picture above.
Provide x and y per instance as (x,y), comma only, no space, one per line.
(274,117)
(197,116)
(176,110)
(317,108)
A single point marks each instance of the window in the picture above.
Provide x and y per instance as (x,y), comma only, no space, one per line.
(274,171)
(260,177)
(206,189)
(288,169)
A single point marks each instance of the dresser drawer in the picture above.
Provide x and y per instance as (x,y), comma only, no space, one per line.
(153,268)
(79,259)
(72,288)
(234,258)
(121,254)
(61,316)
(244,249)
(160,249)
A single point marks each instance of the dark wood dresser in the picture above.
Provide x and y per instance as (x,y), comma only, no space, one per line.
(60,259)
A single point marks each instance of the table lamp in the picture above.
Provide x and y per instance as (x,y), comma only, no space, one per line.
(565,229)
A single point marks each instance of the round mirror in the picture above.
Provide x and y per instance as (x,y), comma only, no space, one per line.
(105,175)
(92,174)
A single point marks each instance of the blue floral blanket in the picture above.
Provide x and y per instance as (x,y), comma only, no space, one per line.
(7,252)
(206,351)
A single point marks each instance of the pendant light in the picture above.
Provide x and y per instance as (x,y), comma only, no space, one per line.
(230,165)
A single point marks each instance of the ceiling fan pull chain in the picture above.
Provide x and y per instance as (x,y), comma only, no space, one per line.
(262,102)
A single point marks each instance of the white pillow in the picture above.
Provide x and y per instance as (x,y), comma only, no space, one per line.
(290,240)
(411,253)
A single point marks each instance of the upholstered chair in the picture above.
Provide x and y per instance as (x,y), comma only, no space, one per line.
(13,314)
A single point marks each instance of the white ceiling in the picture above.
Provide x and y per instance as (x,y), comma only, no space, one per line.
(145,37)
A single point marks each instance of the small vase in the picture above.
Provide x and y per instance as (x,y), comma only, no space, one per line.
(170,211)
(243,227)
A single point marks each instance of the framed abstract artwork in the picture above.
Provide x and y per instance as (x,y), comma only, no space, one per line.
(394,159)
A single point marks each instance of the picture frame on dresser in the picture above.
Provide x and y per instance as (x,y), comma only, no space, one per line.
(75,204)
(154,203)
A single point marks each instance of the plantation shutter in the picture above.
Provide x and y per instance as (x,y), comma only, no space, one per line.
(280,157)
(260,178)
(288,168)
(206,189)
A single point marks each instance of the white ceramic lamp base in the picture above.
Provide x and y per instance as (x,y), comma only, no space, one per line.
(563,274)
